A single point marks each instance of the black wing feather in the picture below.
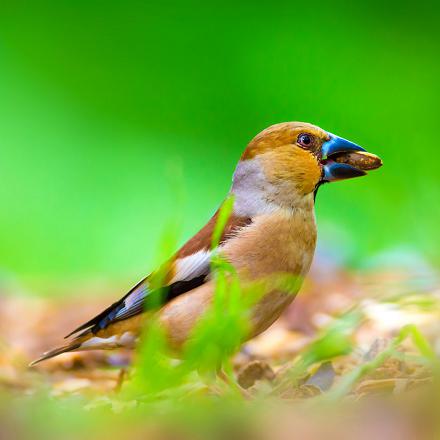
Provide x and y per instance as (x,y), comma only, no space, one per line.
(138,300)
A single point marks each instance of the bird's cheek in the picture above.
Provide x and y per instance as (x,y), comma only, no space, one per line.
(291,167)
(308,185)
(307,174)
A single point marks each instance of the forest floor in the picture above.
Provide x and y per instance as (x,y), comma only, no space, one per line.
(354,357)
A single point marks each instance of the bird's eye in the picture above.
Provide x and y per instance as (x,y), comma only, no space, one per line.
(305,140)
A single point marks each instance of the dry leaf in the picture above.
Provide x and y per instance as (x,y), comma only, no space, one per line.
(253,371)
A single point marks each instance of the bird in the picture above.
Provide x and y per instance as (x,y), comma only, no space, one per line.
(271,230)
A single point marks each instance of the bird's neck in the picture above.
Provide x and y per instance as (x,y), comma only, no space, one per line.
(254,195)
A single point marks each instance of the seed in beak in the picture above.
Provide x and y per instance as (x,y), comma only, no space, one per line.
(359,159)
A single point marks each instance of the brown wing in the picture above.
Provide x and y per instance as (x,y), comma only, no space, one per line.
(187,270)
(202,240)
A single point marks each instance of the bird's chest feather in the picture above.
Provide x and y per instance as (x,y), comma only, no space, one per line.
(274,246)
(274,243)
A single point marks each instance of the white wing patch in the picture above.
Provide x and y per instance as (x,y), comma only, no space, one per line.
(192,266)
(186,268)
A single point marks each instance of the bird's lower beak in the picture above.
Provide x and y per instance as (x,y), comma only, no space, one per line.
(342,159)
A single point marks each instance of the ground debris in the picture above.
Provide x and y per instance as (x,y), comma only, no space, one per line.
(267,366)
(254,371)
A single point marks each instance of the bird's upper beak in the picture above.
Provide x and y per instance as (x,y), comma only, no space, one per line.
(342,159)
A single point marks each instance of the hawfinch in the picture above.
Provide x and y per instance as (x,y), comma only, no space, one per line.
(270,231)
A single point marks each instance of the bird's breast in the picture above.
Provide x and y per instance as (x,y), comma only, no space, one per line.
(272,248)
(274,243)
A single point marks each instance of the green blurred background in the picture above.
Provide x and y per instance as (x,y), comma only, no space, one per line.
(104,106)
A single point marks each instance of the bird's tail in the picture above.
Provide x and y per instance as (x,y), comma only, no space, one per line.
(88,341)
(73,346)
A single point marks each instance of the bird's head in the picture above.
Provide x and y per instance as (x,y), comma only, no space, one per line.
(288,161)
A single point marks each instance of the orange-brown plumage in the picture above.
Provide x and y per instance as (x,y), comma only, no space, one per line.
(203,239)
(271,233)
(281,134)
